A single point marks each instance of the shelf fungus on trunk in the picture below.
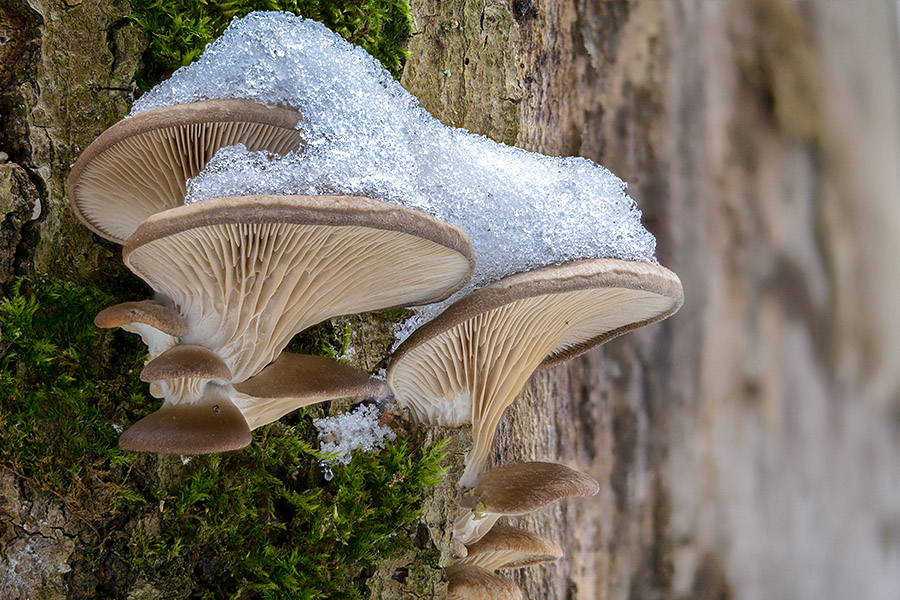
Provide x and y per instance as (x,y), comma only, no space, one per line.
(469,363)
(468,582)
(141,165)
(516,489)
(246,274)
(297,380)
(506,547)
(159,326)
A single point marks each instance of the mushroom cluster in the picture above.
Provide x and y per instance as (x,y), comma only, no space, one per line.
(236,278)
(237,274)
(467,365)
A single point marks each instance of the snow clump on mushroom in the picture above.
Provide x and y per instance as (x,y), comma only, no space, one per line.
(366,135)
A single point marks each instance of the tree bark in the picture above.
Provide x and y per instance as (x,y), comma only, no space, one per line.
(746,447)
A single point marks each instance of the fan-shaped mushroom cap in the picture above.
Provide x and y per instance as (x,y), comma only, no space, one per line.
(186,362)
(521,488)
(468,582)
(507,547)
(140,165)
(211,424)
(517,489)
(296,380)
(147,312)
(159,326)
(469,363)
(248,273)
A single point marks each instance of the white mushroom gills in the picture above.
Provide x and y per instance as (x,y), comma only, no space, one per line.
(489,355)
(141,165)
(249,282)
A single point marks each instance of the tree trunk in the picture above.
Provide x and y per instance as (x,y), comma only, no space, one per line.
(747,447)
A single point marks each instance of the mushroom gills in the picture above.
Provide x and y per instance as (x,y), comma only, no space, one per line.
(506,547)
(140,166)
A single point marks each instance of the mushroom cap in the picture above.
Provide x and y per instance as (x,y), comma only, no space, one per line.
(248,273)
(468,582)
(147,312)
(214,424)
(618,296)
(296,380)
(469,363)
(520,488)
(186,362)
(507,547)
(141,165)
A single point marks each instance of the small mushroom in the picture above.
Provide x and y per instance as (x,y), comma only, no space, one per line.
(141,165)
(195,384)
(506,547)
(186,362)
(198,415)
(469,363)
(159,326)
(468,582)
(205,421)
(297,380)
(516,489)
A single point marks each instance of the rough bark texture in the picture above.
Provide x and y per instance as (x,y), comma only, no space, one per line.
(747,447)
(66,74)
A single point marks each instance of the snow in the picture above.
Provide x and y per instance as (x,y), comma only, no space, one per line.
(366,135)
(359,429)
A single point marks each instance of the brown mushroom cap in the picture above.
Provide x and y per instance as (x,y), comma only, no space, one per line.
(507,547)
(521,488)
(147,312)
(296,380)
(186,362)
(468,582)
(140,165)
(516,489)
(248,273)
(213,424)
(469,363)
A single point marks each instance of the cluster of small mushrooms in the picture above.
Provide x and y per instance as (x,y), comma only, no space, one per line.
(236,278)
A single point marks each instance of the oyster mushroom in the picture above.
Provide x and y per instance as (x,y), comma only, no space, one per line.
(516,489)
(246,274)
(159,326)
(141,165)
(468,582)
(468,364)
(506,547)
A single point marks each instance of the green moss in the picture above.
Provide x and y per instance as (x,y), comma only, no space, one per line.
(62,385)
(259,529)
(179,30)
(257,523)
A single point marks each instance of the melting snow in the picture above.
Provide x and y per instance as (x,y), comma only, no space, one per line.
(356,430)
(368,136)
